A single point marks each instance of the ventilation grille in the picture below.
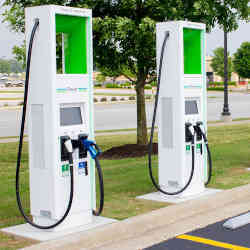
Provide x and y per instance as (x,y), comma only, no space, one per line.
(37,131)
(167,122)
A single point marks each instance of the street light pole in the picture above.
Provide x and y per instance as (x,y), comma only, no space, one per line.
(226,115)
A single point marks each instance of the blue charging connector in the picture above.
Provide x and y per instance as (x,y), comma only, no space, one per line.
(91,147)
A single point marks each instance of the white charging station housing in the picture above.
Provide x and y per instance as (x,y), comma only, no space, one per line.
(60,103)
(182,99)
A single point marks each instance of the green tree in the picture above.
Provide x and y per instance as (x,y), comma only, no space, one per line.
(107,73)
(217,63)
(4,66)
(100,78)
(124,33)
(20,54)
(15,66)
(226,14)
(241,60)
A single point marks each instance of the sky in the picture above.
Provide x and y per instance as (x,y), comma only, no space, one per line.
(8,39)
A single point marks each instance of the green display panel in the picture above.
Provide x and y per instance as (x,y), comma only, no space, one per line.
(192,43)
(71,41)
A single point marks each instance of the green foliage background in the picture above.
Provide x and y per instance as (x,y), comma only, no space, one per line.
(217,63)
(10,66)
(124,33)
(241,60)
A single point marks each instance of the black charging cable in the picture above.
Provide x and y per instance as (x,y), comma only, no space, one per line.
(150,146)
(210,163)
(101,188)
(19,156)
(94,152)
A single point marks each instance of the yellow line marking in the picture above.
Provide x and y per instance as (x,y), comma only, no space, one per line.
(211,242)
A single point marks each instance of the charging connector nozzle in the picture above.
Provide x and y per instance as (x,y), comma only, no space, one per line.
(189,132)
(200,129)
(90,146)
(68,145)
(69,148)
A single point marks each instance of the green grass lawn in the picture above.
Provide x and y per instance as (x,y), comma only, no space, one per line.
(125,179)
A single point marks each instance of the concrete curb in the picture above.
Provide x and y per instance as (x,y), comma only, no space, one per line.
(162,224)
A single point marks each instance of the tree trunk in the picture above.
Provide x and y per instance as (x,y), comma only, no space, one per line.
(142,136)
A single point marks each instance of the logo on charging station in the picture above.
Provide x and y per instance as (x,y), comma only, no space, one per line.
(188,149)
(198,148)
(65,170)
(82,168)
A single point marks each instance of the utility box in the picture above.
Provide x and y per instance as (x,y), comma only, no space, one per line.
(182,99)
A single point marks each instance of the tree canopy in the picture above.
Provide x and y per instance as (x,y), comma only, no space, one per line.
(218,63)
(10,66)
(241,60)
(124,33)
(20,54)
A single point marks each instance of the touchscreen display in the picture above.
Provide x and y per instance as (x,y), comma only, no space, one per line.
(70,116)
(191,107)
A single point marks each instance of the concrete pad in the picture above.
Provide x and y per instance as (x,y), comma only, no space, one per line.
(226,118)
(148,229)
(27,231)
(158,196)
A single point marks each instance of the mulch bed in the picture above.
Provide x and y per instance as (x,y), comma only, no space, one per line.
(128,151)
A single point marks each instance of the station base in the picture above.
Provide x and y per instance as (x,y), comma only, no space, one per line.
(27,231)
(158,196)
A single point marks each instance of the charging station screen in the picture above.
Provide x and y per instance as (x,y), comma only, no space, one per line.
(70,116)
(191,107)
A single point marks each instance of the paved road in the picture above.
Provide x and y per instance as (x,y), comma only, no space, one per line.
(120,116)
(211,237)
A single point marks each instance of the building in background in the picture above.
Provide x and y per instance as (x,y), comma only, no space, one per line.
(212,77)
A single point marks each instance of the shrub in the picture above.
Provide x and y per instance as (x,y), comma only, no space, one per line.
(103,99)
(216,88)
(95,100)
(221,83)
(148,97)
(153,84)
(122,99)
(113,99)
(112,85)
(147,86)
(126,85)
(98,85)
(131,98)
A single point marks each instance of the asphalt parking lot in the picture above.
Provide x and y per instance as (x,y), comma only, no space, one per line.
(211,237)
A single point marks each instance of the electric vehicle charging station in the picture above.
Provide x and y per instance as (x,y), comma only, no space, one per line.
(60,109)
(182,118)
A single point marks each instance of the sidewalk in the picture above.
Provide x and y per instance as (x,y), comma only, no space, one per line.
(159,225)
